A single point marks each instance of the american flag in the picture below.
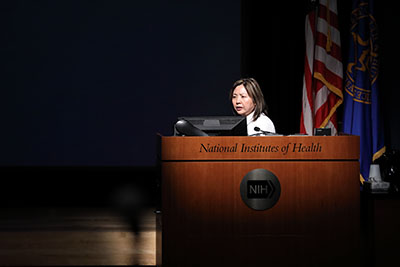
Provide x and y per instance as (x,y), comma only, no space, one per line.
(323,70)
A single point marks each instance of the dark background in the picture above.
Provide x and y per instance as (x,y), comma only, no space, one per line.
(92,82)
(87,85)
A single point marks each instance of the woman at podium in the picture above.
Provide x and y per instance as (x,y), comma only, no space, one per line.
(248,100)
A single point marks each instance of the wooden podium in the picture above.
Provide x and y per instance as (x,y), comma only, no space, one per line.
(315,222)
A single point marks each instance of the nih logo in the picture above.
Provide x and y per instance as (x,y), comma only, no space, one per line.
(260,189)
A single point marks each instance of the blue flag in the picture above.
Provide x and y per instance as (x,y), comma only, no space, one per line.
(361,107)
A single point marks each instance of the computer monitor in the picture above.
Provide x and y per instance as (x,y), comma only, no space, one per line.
(211,126)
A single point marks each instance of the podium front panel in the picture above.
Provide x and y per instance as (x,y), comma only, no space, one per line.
(315,222)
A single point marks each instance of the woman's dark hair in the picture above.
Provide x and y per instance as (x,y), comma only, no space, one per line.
(253,89)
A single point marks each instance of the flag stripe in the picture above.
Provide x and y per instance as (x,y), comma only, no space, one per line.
(327,62)
(332,5)
(335,52)
(307,124)
(324,26)
(333,81)
(333,18)
(321,96)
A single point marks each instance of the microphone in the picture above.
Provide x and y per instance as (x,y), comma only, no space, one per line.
(257,129)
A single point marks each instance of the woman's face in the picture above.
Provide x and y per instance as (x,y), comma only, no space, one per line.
(241,101)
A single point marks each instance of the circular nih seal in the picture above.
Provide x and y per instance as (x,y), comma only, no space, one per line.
(260,189)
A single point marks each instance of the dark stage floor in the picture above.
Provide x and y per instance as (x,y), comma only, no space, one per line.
(75,236)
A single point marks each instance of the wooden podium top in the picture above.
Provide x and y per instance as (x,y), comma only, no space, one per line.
(260,148)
